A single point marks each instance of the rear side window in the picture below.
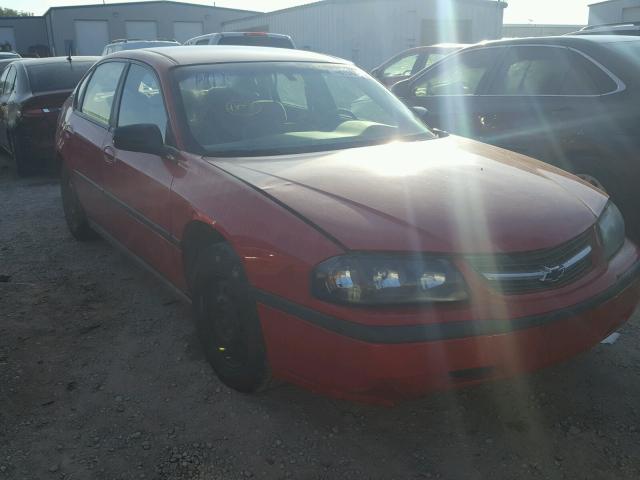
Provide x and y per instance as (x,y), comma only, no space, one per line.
(101,89)
(401,67)
(256,41)
(49,77)
(9,81)
(549,71)
(460,74)
(142,100)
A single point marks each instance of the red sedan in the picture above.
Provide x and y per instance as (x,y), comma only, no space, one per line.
(328,238)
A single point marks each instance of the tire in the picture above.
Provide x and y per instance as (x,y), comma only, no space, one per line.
(20,158)
(227,320)
(73,212)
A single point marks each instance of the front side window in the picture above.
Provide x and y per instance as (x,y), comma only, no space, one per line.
(460,74)
(101,89)
(255,109)
(204,41)
(402,67)
(142,100)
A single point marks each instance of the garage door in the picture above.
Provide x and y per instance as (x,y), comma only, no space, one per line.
(631,14)
(141,30)
(91,36)
(7,36)
(183,31)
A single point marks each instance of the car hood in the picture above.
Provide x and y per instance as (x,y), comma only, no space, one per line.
(447,195)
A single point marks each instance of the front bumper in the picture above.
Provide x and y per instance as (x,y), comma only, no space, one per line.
(387,364)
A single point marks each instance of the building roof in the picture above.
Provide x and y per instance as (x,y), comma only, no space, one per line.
(125,4)
(603,2)
(501,3)
(190,55)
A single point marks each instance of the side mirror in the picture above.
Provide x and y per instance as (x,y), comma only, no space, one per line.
(143,138)
(402,89)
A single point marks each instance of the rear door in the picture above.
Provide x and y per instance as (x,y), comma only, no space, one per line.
(452,91)
(546,101)
(140,183)
(84,137)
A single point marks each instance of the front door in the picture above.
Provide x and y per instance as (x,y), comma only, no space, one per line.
(452,89)
(85,133)
(140,183)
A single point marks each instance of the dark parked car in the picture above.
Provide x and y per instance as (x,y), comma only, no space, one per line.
(571,101)
(626,28)
(358,254)
(410,62)
(31,94)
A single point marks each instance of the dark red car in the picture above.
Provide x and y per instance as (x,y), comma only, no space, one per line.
(325,236)
(31,94)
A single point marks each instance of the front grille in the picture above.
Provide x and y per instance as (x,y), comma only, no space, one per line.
(528,272)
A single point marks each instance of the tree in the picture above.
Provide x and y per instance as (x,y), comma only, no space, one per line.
(10,12)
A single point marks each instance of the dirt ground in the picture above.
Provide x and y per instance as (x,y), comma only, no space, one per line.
(101,377)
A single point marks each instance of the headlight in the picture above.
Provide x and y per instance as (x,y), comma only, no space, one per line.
(611,226)
(387,279)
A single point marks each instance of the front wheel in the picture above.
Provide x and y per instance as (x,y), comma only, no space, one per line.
(227,320)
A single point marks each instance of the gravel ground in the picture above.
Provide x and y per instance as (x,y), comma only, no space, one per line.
(101,377)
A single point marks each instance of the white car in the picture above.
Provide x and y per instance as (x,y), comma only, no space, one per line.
(253,39)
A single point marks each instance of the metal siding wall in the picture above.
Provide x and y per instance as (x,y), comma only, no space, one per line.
(28,31)
(610,12)
(164,14)
(369,32)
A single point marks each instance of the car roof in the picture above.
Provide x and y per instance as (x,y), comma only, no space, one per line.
(194,55)
(52,60)
(564,40)
(143,42)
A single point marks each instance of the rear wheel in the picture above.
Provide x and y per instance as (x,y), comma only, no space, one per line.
(227,320)
(73,212)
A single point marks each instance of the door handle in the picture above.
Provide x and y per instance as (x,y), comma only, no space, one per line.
(109,155)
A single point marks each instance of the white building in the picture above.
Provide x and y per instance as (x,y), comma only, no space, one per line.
(614,11)
(370,31)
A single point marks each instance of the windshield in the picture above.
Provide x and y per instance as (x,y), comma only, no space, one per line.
(256,41)
(255,109)
(49,77)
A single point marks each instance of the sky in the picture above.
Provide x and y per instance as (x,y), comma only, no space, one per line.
(519,11)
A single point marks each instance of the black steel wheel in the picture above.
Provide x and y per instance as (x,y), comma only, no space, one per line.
(227,320)
(22,163)
(73,212)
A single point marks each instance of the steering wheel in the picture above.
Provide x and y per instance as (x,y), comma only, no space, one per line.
(346,113)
